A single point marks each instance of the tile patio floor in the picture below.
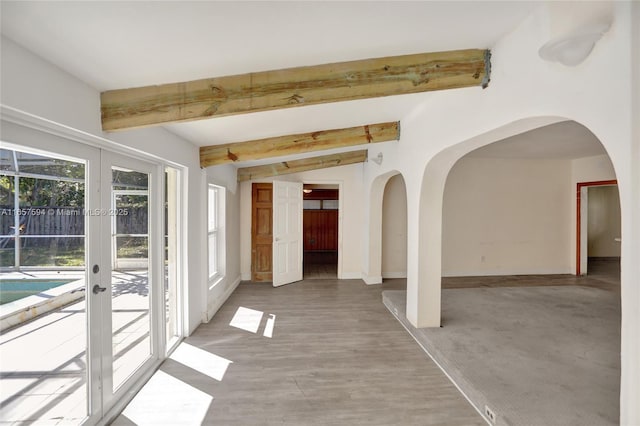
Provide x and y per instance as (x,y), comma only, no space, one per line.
(43,365)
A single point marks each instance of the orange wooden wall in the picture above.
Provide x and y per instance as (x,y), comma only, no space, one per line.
(320,230)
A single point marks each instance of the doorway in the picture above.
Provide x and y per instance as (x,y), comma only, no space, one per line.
(95,218)
(320,231)
(598,229)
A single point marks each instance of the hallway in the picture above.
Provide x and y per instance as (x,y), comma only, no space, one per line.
(320,265)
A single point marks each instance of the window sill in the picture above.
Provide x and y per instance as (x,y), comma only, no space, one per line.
(215,280)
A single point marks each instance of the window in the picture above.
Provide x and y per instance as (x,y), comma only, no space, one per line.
(41,211)
(320,204)
(330,204)
(215,233)
(312,204)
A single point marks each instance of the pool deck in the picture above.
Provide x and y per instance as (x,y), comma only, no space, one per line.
(30,307)
(43,361)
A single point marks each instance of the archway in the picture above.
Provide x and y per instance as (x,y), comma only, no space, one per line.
(423,305)
(517,216)
(373,271)
(394,229)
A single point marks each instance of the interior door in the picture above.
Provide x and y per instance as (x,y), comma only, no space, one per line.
(287,232)
(130,265)
(261,232)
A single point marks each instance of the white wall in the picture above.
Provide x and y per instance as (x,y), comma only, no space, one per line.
(507,217)
(603,221)
(351,216)
(630,412)
(32,85)
(394,229)
(592,169)
(226,177)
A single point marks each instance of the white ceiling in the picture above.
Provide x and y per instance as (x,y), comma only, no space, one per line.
(114,45)
(565,140)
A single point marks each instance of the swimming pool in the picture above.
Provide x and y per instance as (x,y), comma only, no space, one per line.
(12,290)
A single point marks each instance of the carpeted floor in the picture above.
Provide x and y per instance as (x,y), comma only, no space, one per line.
(545,355)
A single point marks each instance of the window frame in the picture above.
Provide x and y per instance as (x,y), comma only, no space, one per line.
(215,229)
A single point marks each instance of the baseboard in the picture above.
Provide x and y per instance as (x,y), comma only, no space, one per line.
(505,272)
(371,280)
(394,275)
(211,310)
(604,258)
(246,276)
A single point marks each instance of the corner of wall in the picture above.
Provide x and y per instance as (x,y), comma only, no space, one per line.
(371,280)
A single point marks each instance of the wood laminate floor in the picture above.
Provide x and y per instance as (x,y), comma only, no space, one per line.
(320,265)
(336,357)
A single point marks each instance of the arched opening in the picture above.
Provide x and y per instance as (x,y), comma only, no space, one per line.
(373,267)
(521,193)
(394,229)
(497,220)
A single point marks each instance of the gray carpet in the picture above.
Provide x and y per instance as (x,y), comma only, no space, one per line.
(535,355)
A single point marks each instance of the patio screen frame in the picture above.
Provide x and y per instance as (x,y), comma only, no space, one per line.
(18,212)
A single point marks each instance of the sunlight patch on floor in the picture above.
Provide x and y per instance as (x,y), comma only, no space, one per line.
(247,319)
(268,329)
(202,361)
(167,400)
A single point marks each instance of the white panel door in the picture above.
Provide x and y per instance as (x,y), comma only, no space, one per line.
(287,232)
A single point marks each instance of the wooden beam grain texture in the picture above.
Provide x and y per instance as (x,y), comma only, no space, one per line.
(296,144)
(296,166)
(293,87)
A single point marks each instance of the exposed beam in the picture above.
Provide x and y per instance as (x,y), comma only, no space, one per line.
(267,90)
(313,163)
(297,144)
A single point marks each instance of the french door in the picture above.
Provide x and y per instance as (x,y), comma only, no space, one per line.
(87,353)
(124,285)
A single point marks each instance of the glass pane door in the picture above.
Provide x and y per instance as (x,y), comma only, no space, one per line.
(132,222)
(130,301)
(45,370)
(84,311)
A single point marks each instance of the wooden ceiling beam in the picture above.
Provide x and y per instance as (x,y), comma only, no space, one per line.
(293,87)
(296,166)
(297,144)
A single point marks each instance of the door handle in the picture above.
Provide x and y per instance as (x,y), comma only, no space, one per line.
(97,289)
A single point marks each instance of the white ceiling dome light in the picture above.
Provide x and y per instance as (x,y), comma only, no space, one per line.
(572,49)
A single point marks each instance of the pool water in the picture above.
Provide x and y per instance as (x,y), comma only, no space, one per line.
(12,290)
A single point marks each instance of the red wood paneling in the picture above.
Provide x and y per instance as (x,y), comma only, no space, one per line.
(320,230)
